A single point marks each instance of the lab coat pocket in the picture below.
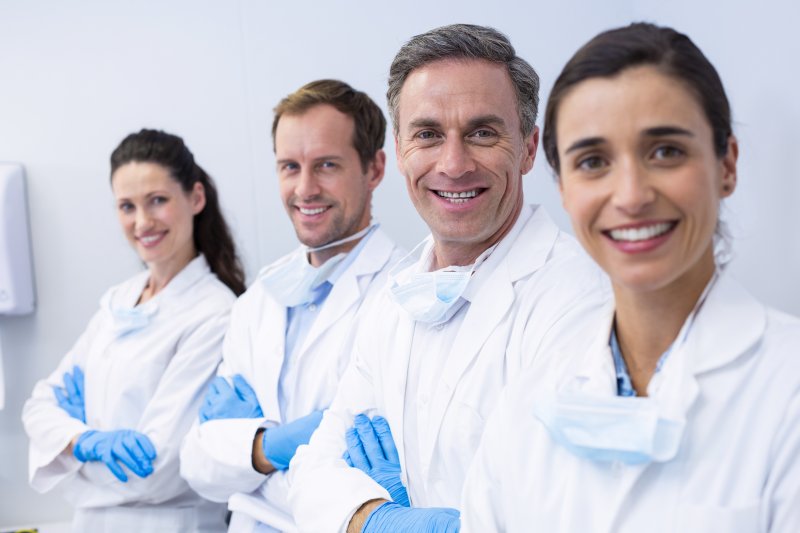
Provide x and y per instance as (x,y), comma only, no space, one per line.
(459,437)
(731,519)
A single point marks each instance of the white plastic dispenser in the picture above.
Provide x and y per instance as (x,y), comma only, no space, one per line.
(16,272)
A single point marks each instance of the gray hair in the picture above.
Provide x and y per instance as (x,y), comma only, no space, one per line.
(466,41)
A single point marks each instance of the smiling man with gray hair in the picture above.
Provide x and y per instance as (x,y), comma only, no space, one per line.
(495,284)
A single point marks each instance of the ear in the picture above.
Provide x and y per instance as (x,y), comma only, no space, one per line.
(376,170)
(531,143)
(728,162)
(197,197)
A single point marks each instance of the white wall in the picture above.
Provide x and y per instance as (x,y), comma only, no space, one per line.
(75,77)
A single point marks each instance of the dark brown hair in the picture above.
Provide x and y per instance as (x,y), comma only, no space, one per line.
(639,44)
(212,237)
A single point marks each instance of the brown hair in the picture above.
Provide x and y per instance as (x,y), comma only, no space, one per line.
(369,130)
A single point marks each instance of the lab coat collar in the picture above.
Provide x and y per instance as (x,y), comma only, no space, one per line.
(126,295)
(347,291)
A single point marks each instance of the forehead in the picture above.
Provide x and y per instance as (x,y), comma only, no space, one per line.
(322,129)
(630,102)
(140,178)
(457,89)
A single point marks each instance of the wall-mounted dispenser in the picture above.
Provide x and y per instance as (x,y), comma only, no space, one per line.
(16,272)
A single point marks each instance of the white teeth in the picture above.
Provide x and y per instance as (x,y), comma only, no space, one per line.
(458,197)
(149,239)
(316,211)
(642,233)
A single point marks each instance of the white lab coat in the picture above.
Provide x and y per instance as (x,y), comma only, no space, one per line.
(216,456)
(150,380)
(735,379)
(536,284)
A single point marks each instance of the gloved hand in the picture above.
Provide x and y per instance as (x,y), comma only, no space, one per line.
(398,519)
(281,442)
(225,401)
(370,448)
(70,396)
(131,448)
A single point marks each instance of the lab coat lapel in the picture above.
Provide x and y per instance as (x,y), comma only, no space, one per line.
(396,378)
(347,290)
(727,325)
(491,303)
(269,345)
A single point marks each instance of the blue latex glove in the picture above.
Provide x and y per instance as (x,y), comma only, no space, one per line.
(398,519)
(225,401)
(70,396)
(281,442)
(131,448)
(370,448)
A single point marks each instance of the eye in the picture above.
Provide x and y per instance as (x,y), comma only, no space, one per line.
(591,163)
(328,165)
(667,152)
(125,207)
(289,167)
(159,200)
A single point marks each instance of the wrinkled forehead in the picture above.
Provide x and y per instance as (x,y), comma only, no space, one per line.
(457,89)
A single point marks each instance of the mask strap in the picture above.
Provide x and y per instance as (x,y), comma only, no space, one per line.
(353,237)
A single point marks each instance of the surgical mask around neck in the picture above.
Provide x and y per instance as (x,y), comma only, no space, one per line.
(126,320)
(429,296)
(609,428)
(293,283)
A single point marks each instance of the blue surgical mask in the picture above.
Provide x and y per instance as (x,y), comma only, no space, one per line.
(609,428)
(126,320)
(429,296)
(293,283)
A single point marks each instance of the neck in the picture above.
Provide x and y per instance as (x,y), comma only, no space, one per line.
(162,274)
(455,253)
(648,322)
(318,259)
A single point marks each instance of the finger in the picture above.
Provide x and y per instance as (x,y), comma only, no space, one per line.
(356,451)
(384,432)
(369,439)
(61,395)
(133,455)
(243,389)
(112,465)
(79,378)
(218,385)
(346,457)
(69,385)
(146,445)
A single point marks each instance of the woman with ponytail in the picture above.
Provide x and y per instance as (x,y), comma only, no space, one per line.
(105,427)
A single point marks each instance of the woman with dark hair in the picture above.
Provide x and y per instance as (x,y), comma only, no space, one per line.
(678,409)
(105,427)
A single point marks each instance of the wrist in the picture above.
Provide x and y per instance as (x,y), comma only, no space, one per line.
(260,462)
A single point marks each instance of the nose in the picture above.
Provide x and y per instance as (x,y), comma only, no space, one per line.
(307,185)
(633,190)
(143,220)
(455,159)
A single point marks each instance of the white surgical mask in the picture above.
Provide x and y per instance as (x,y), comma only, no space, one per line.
(428,296)
(125,319)
(293,283)
(609,428)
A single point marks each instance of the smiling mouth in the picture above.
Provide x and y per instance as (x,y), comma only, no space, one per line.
(151,240)
(641,233)
(312,211)
(459,197)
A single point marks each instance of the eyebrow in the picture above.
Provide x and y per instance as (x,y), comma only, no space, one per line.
(481,120)
(658,131)
(661,131)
